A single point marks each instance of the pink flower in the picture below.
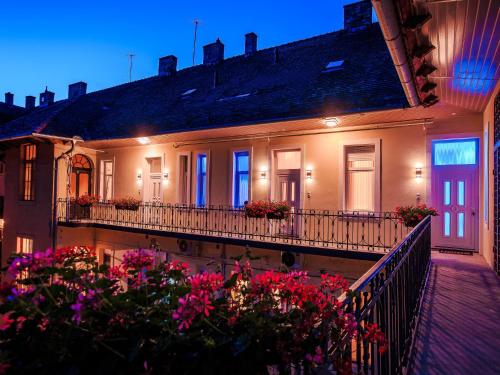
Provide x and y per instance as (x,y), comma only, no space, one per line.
(42,326)
(137,259)
(5,321)
(20,323)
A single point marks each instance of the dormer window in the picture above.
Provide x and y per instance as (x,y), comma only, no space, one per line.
(333,66)
(188,92)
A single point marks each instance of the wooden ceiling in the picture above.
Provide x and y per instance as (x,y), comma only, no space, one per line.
(466,34)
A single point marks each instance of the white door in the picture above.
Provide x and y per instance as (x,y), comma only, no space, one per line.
(153,185)
(455,195)
(155,195)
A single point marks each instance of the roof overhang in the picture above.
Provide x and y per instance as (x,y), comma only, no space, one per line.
(452,48)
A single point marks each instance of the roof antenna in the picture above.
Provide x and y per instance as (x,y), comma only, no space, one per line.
(196,22)
(130,65)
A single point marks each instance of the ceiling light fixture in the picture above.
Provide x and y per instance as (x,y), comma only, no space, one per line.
(331,121)
(144,140)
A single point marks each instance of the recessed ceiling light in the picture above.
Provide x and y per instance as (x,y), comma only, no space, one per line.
(453,113)
(331,121)
(144,140)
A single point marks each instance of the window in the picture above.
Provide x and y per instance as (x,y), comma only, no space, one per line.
(24,245)
(241,162)
(201,180)
(454,152)
(28,157)
(360,178)
(106,189)
(81,176)
(184,179)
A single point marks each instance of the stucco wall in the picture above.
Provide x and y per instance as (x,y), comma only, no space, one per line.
(28,218)
(488,226)
(402,150)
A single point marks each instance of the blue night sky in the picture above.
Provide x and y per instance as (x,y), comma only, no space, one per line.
(55,43)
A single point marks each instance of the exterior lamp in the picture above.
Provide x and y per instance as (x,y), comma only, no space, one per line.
(418,173)
(263,175)
(309,174)
(139,176)
(331,122)
(165,176)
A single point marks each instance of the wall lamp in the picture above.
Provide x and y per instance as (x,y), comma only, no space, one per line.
(309,174)
(139,176)
(418,172)
(165,176)
(263,175)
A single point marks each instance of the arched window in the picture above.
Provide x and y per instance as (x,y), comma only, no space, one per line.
(81,176)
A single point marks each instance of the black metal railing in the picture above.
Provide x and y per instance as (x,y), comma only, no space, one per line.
(376,232)
(390,295)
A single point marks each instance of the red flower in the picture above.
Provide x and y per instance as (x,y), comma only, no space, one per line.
(6,321)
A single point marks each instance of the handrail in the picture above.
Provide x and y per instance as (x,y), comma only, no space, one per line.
(364,231)
(389,294)
(369,275)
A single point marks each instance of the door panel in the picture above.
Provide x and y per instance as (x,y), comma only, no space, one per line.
(288,190)
(455,195)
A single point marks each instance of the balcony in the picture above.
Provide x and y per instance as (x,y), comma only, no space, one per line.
(358,235)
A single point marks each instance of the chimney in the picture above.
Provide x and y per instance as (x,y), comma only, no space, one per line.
(46,98)
(9,98)
(250,44)
(167,65)
(213,53)
(30,102)
(77,89)
(358,16)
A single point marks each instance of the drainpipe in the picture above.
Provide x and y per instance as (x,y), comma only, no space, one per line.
(74,140)
(389,23)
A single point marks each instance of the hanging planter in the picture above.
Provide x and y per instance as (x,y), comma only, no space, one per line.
(266,209)
(410,216)
(127,203)
(87,200)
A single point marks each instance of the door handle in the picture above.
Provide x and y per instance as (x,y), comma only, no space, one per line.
(473,212)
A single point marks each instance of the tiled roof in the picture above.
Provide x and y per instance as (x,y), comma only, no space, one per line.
(285,82)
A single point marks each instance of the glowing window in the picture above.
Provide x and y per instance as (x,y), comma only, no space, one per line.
(447,193)
(447,224)
(460,225)
(461,193)
(455,152)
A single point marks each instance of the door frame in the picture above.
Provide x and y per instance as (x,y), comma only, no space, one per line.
(428,174)
(147,182)
(273,176)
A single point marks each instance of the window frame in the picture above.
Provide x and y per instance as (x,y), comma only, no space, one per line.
(199,178)
(376,142)
(25,162)
(103,175)
(455,140)
(235,172)
(20,242)
(187,155)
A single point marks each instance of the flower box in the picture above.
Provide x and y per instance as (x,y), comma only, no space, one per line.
(128,203)
(410,216)
(266,209)
(87,200)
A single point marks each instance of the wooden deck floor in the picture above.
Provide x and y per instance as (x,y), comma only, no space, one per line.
(459,331)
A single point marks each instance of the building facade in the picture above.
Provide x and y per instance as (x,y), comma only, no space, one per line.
(326,124)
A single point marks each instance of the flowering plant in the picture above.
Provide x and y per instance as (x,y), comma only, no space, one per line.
(127,203)
(412,215)
(87,200)
(271,210)
(71,315)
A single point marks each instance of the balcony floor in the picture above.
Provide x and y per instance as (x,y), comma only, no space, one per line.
(459,330)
